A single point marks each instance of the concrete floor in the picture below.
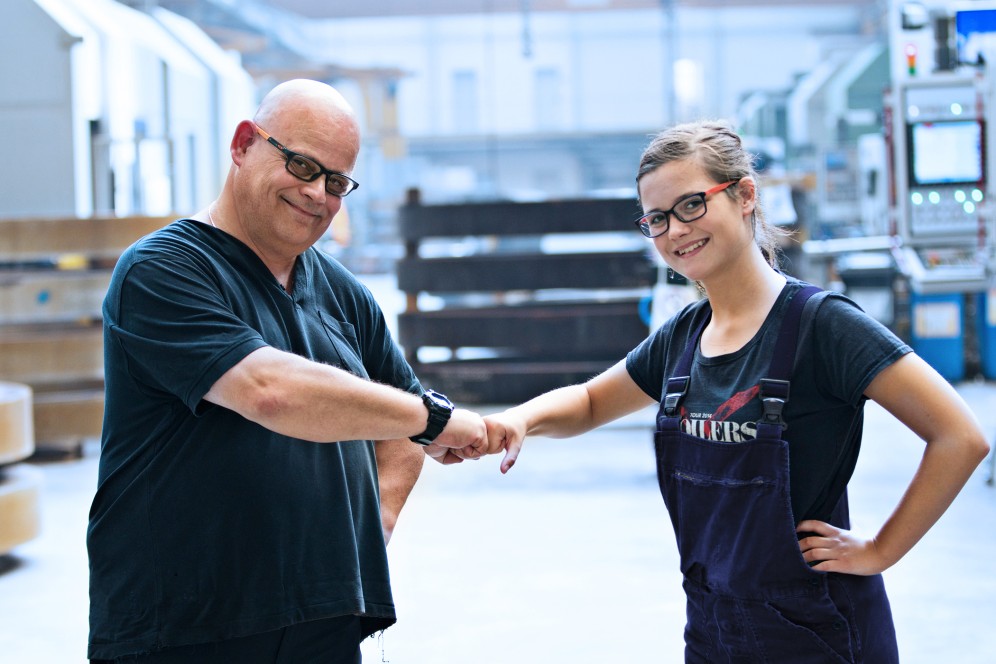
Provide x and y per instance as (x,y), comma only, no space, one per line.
(568,559)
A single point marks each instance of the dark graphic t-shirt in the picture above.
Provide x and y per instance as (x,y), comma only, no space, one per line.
(840,350)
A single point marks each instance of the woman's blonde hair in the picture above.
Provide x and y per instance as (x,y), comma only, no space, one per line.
(719,150)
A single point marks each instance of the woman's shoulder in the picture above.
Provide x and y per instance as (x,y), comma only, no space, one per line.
(685,320)
(824,302)
(833,319)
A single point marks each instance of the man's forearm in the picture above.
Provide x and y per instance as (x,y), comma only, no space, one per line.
(399,463)
(311,401)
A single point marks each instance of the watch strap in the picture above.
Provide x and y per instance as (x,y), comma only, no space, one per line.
(440,409)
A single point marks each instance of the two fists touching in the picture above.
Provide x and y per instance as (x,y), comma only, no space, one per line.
(469,436)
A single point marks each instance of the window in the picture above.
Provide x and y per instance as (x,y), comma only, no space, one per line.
(466,113)
(547,98)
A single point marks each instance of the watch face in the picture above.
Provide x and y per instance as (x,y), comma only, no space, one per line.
(439,399)
(440,408)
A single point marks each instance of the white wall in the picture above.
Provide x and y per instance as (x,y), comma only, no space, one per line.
(38,173)
(233,94)
(164,102)
(156,108)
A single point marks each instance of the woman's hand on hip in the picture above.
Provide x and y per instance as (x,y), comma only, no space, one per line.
(831,549)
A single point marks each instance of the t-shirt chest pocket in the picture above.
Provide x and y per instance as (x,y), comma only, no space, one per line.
(339,345)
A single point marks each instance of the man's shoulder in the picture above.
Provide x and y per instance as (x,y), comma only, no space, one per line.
(323,260)
(338,276)
(167,252)
(175,234)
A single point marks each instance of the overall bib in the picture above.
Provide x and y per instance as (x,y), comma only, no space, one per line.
(751,597)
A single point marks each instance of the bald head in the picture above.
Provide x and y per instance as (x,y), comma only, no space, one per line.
(302,93)
(312,104)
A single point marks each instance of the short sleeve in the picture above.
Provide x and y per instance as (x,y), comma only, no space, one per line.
(851,348)
(173,328)
(647,364)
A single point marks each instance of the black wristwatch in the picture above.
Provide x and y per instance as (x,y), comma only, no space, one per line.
(440,409)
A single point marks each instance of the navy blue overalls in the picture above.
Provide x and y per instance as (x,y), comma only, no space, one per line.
(751,597)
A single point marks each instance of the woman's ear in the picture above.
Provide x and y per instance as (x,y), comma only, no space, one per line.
(747,189)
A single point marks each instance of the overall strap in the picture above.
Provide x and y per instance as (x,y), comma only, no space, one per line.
(677,386)
(774,390)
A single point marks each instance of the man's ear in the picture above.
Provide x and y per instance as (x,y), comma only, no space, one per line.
(245,135)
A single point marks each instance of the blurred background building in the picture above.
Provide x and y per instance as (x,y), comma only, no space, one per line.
(463,100)
(126,107)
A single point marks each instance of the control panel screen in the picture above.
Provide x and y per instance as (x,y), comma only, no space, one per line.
(947,152)
(975,31)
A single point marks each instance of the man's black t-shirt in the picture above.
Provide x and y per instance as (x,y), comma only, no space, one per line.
(207,526)
(840,350)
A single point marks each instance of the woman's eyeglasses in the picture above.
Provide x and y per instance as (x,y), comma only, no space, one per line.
(686,210)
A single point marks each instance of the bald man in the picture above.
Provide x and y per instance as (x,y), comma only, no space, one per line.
(262,430)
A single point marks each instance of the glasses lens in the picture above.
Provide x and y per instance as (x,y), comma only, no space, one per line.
(653,224)
(338,185)
(691,208)
(303,167)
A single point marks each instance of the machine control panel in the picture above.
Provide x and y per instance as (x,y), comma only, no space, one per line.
(944,269)
(945,139)
(944,210)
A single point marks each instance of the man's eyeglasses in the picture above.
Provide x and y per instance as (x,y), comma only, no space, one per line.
(686,210)
(309,170)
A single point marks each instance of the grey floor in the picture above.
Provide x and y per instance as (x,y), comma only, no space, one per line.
(569,558)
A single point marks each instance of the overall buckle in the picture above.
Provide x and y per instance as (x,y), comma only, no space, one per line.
(774,393)
(676,390)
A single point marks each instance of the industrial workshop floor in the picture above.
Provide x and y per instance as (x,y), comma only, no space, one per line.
(568,559)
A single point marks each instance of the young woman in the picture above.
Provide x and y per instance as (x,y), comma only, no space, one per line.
(761,388)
